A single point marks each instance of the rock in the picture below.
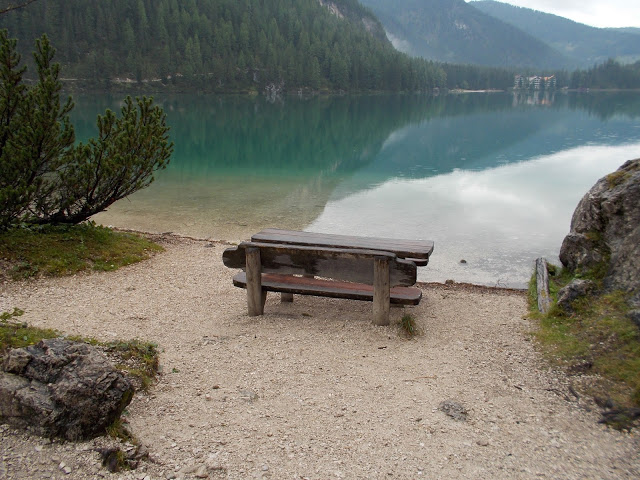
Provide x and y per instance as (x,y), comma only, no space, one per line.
(201,472)
(248,395)
(575,289)
(605,231)
(634,315)
(454,409)
(62,389)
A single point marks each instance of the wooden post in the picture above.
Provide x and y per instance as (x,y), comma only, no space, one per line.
(381,294)
(255,296)
(542,285)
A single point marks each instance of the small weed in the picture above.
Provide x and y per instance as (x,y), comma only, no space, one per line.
(114,459)
(119,431)
(6,316)
(616,178)
(408,326)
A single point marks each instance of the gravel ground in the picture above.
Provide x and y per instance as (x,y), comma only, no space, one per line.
(314,390)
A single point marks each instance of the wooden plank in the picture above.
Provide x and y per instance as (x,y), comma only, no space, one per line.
(381,293)
(330,288)
(420,262)
(418,249)
(352,265)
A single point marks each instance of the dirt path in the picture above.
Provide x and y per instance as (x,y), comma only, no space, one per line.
(312,389)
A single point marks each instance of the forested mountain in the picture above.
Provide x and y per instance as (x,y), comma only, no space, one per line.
(585,45)
(455,32)
(222,45)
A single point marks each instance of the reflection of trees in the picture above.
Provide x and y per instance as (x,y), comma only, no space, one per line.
(338,135)
(330,134)
(605,105)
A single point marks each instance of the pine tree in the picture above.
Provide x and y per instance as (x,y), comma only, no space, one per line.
(44,178)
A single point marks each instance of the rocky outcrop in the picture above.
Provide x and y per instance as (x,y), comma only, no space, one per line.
(605,231)
(62,388)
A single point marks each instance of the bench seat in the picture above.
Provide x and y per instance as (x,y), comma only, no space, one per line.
(329,288)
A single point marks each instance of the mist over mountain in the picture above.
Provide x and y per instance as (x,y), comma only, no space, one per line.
(456,32)
(584,45)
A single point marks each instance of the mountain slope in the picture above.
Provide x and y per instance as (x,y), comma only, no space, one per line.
(222,45)
(586,45)
(453,31)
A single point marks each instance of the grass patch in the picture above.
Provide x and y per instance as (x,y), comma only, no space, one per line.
(66,250)
(597,338)
(14,334)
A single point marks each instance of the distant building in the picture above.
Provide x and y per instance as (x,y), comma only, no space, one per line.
(520,82)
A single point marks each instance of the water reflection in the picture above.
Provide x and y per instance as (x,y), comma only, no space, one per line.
(498,220)
(473,172)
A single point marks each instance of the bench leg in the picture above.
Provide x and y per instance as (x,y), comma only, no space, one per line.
(288,297)
(381,291)
(255,296)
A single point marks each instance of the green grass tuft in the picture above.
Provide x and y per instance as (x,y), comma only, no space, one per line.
(66,250)
(138,359)
(14,334)
(408,326)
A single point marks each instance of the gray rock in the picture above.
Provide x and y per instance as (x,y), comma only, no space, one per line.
(248,395)
(577,288)
(62,389)
(454,409)
(605,231)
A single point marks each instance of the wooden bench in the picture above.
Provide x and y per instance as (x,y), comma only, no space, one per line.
(351,273)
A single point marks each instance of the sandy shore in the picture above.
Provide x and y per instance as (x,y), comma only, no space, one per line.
(314,390)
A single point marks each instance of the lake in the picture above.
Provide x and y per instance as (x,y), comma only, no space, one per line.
(492,179)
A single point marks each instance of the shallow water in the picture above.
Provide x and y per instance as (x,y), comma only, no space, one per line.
(493,179)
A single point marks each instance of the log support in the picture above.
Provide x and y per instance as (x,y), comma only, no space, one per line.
(381,290)
(256,297)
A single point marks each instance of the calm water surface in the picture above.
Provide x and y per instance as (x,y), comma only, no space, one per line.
(493,179)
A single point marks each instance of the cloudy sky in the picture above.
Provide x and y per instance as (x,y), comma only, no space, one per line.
(598,13)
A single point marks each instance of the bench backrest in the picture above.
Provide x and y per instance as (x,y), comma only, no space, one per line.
(351,265)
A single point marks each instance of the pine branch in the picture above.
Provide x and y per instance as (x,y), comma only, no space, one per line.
(15,7)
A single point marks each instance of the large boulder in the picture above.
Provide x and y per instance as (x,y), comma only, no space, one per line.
(605,231)
(62,389)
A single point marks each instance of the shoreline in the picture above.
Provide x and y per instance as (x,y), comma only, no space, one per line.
(231,243)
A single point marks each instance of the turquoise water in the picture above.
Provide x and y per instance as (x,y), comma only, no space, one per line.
(493,179)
